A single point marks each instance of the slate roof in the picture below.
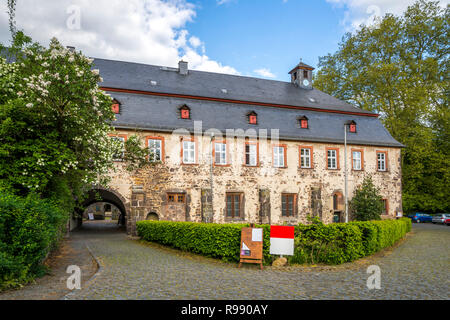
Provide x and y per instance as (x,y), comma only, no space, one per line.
(160,113)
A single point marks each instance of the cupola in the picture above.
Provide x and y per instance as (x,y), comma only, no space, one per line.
(301,75)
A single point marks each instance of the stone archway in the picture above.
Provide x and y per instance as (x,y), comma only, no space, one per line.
(100,194)
(152,216)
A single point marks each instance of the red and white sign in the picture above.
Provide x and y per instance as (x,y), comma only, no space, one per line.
(282,240)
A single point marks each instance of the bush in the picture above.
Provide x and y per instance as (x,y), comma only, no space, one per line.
(210,239)
(315,243)
(29,229)
(346,242)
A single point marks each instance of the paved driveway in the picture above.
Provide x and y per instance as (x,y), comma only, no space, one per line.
(418,268)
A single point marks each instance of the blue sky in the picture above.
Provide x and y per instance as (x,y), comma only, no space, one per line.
(263,38)
(272,35)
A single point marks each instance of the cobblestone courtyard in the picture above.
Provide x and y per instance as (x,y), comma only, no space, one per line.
(417,268)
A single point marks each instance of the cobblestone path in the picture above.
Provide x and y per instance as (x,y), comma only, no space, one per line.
(416,269)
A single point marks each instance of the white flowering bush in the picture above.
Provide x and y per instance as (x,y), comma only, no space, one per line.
(54,121)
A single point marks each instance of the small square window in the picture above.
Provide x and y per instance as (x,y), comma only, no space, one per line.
(252,119)
(304,124)
(353,127)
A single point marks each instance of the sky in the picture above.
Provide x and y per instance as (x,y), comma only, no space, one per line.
(257,38)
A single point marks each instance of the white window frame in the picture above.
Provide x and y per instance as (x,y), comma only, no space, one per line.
(332,158)
(252,155)
(381,161)
(305,159)
(154,149)
(189,149)
(278,157)
(220,153)
(357,160)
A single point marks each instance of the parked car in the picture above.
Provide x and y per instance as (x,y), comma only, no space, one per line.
(420,217)
(440,217)
(447,222)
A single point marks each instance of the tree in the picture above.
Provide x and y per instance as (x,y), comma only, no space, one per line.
(367,203)
(399,69)
(55,123)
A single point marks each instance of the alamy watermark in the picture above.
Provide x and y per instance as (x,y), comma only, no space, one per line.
(73,22)
(74,280)
(374,280)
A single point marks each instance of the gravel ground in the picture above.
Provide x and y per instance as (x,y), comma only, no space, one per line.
(416,268)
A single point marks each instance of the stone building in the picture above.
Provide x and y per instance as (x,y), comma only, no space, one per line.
(230,148)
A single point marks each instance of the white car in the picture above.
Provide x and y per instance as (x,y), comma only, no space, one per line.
(440,217)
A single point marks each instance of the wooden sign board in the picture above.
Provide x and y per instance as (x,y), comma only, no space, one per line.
(251,250)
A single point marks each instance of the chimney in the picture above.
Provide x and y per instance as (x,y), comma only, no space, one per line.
(301,75)
(72,49)
(183,67)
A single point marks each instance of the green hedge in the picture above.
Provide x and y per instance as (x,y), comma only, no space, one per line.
(210,239)
(345,242)
(29,228)
(315,243)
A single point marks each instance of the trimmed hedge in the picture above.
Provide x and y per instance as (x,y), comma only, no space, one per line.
(315,243)
(210,239)
(345,242)
(29,229)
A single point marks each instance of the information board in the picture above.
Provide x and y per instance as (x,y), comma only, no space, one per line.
(251,250)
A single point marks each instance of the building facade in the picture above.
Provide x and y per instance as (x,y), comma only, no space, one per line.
(232,149)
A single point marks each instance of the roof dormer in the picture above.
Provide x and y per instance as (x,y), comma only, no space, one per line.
(301,75)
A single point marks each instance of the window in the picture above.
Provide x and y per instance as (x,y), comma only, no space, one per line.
(189,152)
(185,112)
(176,197)
(233,205)
(288,205)
(155,148)
(385,206)
(121,139)
(357,160)
(115,106)
(306,156)
(382,161)
(251,154)
(332,158)
(220,153)
(305,74)
(279,156)
(303,122)
(252,118)
(295,75)
(352,126)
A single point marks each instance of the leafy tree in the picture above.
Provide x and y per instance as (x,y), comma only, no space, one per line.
(398,67)
(54,123)
(366,203)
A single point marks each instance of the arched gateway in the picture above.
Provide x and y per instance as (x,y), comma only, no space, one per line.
(107,195)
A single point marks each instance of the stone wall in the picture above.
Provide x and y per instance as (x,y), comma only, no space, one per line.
(262,186)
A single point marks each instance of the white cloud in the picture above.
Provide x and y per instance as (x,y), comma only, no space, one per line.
(221,2)
(263,72)
(146,31)
(365,11)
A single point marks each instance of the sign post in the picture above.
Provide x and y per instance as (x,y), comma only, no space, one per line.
(251,250)
(282,240)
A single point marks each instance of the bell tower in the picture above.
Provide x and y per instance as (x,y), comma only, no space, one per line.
(301,75)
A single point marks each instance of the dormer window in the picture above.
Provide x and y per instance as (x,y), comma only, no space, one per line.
(115,106)
(252,118)
(303,122)
(352,127)
(185,112)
